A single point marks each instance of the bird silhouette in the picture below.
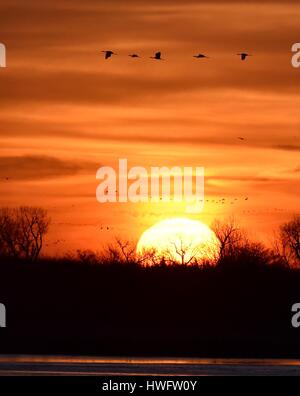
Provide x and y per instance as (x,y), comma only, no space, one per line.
(241,138)
(200,56)
(244,55)
(134,56)
(157,56)
(108,54)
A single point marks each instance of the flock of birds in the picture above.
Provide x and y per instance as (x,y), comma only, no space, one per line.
(157,56)
(222,201)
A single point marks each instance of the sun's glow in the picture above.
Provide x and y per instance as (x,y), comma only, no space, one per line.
(180,240)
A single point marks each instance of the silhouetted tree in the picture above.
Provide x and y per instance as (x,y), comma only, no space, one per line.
(88,257)
(124,252)
(248,255)
(183,252)
(150,257)
(120,252)
(127,250)
(229,235)
(288,243)
(22,231)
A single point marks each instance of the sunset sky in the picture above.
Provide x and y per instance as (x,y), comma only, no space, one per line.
(65,111)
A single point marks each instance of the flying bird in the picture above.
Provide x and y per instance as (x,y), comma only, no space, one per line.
(241,138)
(243,55)
(134,56)
(108,54)
(157,56)
(200,56)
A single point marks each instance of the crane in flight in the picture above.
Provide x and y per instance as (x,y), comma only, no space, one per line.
(200,56)
(157,56)
(108,54)
(243,55)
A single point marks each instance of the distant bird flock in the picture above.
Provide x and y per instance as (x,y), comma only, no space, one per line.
(157,56)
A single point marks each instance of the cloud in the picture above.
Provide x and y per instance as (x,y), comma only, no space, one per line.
(29,167)
(107,88)
(266,24)
(138,132)
(287,147)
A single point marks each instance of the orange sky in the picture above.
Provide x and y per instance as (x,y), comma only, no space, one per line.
(65,111)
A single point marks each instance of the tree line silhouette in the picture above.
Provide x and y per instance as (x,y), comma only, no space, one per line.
(23,230)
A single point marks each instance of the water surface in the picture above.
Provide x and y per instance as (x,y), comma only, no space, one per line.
(85,365)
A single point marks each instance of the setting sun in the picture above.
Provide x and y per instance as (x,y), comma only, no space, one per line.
(180,240)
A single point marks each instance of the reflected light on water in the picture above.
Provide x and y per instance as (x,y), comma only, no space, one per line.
(153,361)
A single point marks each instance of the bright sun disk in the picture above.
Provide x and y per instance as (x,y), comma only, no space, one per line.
(180,240)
